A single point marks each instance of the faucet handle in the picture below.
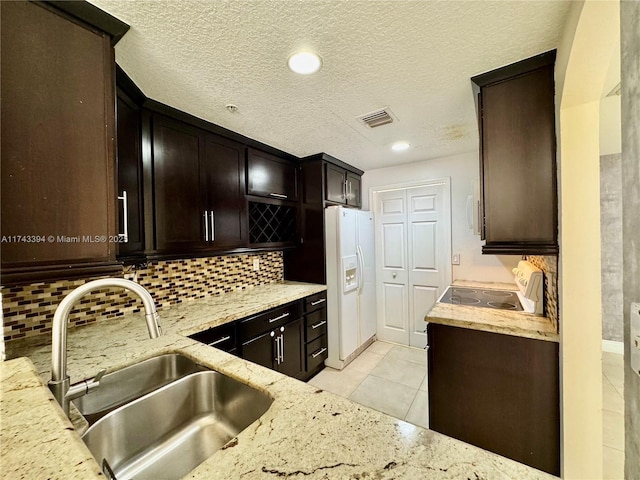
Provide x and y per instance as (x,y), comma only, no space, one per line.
(95,381)
(99,376)
(84,386)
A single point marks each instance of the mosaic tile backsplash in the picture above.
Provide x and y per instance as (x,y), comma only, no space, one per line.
(549,265)
(28,309)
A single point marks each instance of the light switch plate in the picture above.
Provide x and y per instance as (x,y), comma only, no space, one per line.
(455,259)
(634,336)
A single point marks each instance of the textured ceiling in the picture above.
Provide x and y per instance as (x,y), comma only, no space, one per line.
(415,57)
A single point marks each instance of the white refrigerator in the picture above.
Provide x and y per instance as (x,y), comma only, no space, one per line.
(351,287)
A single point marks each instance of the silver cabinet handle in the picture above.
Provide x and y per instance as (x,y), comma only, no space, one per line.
(322,300)
(281,345)
(220,340)
(125,216)
(345,196)
(278,195)
(318,325)
(319,352)
(277,340)
(206,226)
(284,315)
(213,226)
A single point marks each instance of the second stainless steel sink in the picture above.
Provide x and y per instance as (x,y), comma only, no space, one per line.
(168,432)
(129,383)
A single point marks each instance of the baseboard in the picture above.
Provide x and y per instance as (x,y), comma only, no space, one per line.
(613,347)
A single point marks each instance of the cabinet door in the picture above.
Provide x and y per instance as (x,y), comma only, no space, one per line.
(272,177)
(179,211)
(518,164)
(129,177)
(58,162)
(335,184)
(260,350)
(498,392)
(222,180)
(291,345)
(353,190)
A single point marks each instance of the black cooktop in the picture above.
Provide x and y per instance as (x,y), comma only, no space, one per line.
(477,297)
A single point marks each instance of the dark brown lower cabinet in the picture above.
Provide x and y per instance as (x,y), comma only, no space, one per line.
(290,338)
(498,392)
(279,349)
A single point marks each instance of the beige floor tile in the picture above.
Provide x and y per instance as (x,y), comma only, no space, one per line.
(385,396)
(365,362)
(408,354)
(613,429)
(424,384)
(613,464)
(419,411)
(611,398)
(615,375)
(401,371)
(379,347)
(612,359)
(339,382)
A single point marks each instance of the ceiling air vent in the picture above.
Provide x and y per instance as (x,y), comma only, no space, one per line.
(377,118)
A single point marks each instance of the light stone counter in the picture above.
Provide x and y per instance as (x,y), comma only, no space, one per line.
(305,433)
(508,322)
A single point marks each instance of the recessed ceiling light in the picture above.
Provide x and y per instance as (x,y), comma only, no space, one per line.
(304,63)
(400,146)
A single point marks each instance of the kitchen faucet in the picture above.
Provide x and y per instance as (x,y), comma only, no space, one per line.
(60,384)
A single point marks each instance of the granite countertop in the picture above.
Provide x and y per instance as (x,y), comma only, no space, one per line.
(306,432)
(508,322)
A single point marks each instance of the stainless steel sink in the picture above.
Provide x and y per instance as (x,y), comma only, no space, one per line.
(129,383)
(167,433)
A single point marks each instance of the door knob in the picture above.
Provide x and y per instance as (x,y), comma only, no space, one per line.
(393,274)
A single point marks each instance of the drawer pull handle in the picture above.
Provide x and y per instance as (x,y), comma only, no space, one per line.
(322,300)
(284,315)
(278,195)
(125,217)
(317,325)
(220,340)
(320,352)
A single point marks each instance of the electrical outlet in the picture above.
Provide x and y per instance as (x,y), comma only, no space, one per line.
(256,264)
(455,259)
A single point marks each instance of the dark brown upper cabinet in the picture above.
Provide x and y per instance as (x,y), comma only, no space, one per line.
(198,180)
(58,141)
(130,217)
(270,176)
(518,158)
(342,186)
(325,181)
(223,174)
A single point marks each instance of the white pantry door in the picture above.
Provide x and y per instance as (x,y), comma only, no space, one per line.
(413,251)
(391,266)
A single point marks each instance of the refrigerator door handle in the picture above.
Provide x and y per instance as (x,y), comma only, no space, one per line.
(360,268)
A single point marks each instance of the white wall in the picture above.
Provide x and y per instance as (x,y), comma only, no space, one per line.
(583,61)
(464,171)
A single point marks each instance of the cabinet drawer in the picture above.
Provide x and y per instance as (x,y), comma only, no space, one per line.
(223,337)
(254,326)
(316,324)
(270,176)
(314,302)
(316,353)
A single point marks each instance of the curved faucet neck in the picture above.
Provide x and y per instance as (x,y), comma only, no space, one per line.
(61,319)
